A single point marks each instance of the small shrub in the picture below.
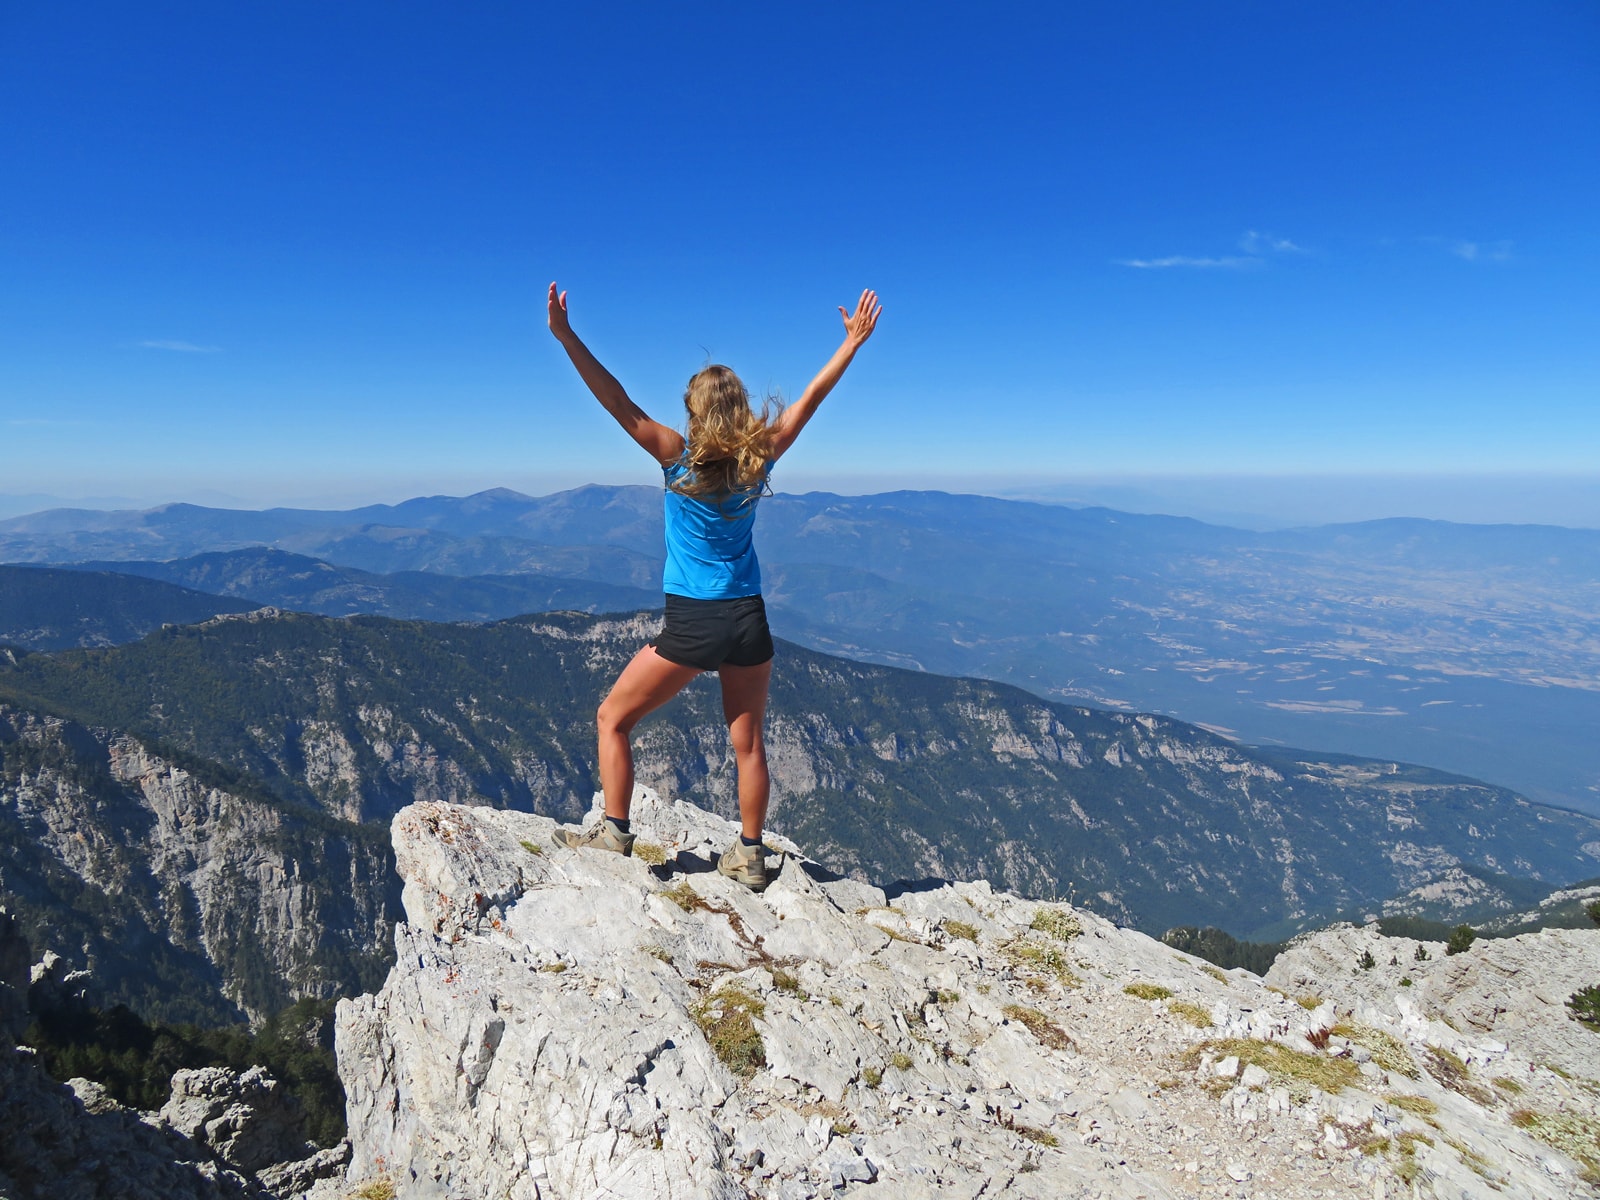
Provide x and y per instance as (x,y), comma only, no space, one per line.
(1048,960)
(553,968)
(1042,1027)
(685,897)
(787,981)
(896,936)
(1574,1134)
(900,1060)
(1420,954)
(1058,923)
(650,853)
(727,1017)
(1405,981)
(1189,1011)
(960,929)
(1471,1157)
(872,1077)
(1444,1065)
(1040,1137)
(376,1189)
(1388,1052)
(1450,1071)
(1148,991)
(531,848)
(1285,1065)
(1366,962)
(1418,1105)
(1584,1005)
(1405,1145)
(1461,939)
(1592,910)
(660,952)
(949,997)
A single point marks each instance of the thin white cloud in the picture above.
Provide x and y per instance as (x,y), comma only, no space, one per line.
(1256,242)
(1257,245)
(180,347)
(1233,262)
(1482,251)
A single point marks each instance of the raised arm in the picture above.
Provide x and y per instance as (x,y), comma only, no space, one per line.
(858,327)
(664,444)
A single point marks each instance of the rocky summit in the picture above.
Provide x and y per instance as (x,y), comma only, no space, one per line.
(565,1024)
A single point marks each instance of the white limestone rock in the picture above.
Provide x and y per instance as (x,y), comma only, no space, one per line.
(541,1035)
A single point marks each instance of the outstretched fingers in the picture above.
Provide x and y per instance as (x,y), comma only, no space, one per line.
(864,320)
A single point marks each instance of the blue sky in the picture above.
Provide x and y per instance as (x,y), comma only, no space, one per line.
(297,251)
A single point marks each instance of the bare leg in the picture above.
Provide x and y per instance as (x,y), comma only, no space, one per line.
(744,706)
(646,683)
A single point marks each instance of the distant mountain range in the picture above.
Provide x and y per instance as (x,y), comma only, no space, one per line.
(45,609)
(204,812)
(294,581)
(1474,648)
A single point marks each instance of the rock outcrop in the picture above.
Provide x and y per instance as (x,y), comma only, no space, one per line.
(1505,992)
(572,1025)
(223,1135)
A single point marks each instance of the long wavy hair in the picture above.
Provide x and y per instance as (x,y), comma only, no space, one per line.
(728,444)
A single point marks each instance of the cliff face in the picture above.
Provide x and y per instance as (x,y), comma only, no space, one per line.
(192,899)
(573,1025)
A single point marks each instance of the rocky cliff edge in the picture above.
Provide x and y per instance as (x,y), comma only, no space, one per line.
(571,1025)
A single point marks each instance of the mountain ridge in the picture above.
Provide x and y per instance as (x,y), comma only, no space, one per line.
(1463,646)
(321,729)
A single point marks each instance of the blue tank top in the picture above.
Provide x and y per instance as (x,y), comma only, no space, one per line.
(711,553)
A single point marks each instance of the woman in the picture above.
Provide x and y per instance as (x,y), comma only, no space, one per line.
(715,473)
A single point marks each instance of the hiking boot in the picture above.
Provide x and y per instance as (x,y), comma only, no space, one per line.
(746,865)
(603,835)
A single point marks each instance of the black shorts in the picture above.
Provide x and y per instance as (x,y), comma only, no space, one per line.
(708,633)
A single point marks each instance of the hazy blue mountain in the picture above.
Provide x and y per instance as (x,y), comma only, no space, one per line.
(284,580)
(1476,648)
(623,517)
(45,609)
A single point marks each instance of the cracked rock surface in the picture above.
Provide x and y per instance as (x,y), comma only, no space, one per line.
(565,1024)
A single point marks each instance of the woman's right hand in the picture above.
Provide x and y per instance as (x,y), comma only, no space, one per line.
(858,326)
(559,325)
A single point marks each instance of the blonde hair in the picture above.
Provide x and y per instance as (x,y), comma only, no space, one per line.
(728,445)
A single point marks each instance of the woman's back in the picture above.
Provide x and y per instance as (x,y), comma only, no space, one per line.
(711,551)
